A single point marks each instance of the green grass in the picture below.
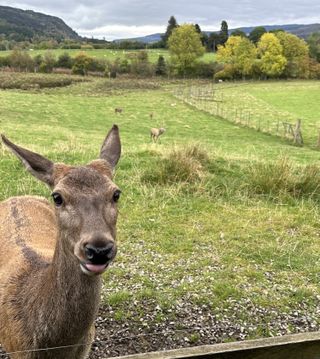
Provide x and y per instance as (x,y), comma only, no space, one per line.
(265,105)
(109,54)
(205,214)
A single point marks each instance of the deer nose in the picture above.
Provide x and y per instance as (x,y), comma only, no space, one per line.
(99,254)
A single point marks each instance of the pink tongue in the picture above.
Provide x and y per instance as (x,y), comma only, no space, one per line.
(96,268)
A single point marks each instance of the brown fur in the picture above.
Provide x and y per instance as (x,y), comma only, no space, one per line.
(46,300)
(118,110)
(155,133)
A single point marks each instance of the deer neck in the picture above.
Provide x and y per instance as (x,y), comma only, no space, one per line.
(63,301)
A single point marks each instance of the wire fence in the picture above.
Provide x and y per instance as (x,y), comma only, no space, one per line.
(243,109)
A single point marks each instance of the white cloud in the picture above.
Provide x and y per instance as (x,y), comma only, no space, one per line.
(126,18)
(112,32)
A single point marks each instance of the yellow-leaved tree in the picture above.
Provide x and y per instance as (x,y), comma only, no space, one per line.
(240,54)
(296,51)
(270,51)
(185,47)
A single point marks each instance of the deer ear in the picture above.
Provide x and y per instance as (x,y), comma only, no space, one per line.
(38,166)
(111,147)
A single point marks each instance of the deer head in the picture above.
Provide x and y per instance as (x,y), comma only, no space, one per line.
(85,200)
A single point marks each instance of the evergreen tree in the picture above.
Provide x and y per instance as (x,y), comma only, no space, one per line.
(256,33)
(213,42)
(161,68)
(239,32)
(172,24)
(197,27)
(224,33)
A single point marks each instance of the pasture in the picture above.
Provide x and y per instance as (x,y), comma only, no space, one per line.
(111,55)
(219,224)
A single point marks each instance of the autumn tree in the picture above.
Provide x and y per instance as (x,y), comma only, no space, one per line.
(272,61)
(172,24)
(240,54)
(296,52)
(185,48)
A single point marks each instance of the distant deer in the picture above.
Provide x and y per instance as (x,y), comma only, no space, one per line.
(51,258)
(118,110)
(151,115)
(156,133)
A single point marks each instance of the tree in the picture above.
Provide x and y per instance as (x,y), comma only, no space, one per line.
(239,32)
(185,48)
(256,33)
(314,45)
(213,41)
(224,33)
(240,54)
(172,24)
(197,28)
(203,36)
(161,68)
(296,52)
(272,61)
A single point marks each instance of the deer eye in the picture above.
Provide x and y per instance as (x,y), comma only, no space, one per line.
(116,195)
(57,199)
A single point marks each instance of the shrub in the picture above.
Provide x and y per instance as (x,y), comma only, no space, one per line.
(27,81)
(48,63)
(21,61)
(140,64)
(283,179)
(4,61)
(206,70)
(64,61)
(81,64)
(161,68)
(228,73)
(181,165)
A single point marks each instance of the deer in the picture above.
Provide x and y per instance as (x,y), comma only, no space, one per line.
(155,133)
(118,110)
(52,256)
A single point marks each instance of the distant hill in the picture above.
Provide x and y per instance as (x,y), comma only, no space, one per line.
(300,30)
(20,25)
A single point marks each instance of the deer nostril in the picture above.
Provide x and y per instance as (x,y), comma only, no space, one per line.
(99,255)
(89,252)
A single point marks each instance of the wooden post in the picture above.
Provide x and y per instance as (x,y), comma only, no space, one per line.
(318,142)
(297,136)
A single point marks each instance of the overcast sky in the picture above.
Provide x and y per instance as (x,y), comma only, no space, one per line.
(130,18)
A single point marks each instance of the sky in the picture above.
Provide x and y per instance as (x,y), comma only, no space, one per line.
(114,19)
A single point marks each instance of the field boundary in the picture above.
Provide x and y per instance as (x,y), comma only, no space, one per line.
(302,346)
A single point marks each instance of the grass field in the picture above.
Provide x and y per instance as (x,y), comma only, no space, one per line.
(266,105)
(216,217)
(110,54)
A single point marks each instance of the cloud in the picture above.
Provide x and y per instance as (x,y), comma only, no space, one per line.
(126,18)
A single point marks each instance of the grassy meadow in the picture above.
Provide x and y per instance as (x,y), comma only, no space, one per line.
(108,54)
(215,215)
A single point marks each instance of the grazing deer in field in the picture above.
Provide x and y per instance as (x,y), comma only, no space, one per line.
(118,110)
(51,259)
(155,133)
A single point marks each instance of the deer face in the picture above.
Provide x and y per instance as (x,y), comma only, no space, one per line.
(85,200)
(86,207)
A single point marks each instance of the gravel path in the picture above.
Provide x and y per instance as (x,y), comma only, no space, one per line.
(188,325)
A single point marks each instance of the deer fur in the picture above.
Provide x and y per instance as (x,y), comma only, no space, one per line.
(49,288)
(156,132)
(118,110)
